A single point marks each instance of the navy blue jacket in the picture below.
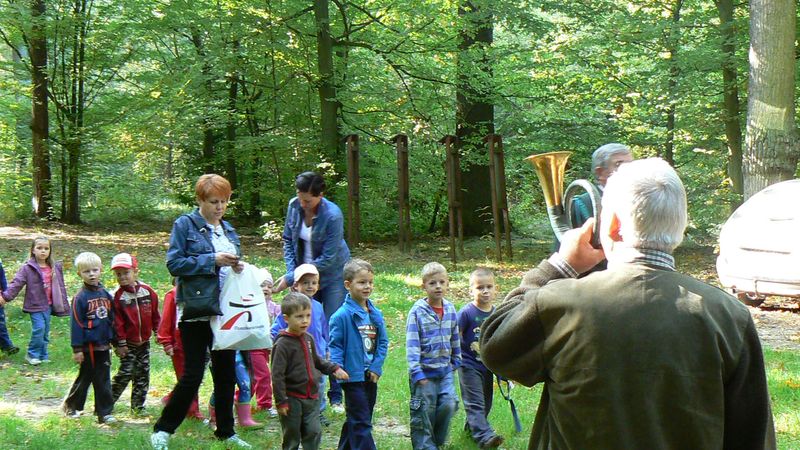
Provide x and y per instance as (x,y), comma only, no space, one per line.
(92,319)
(328,247)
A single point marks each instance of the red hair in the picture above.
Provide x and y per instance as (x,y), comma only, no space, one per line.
(212,184)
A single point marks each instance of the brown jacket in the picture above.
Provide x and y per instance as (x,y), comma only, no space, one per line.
(296,368)
(632,357)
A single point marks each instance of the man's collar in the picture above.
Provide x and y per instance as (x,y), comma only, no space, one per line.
(650,257)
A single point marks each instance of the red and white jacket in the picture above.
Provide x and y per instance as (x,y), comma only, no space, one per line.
(136,315)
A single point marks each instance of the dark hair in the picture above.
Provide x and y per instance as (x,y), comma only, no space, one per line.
(293,302)
(354,266)
(310,182)
(49,258)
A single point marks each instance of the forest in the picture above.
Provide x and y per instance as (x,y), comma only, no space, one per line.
(110,109)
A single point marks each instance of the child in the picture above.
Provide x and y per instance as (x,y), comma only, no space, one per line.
(241,397)
(169,336)
(477,382)
(359,344)
(92,334)
(259,359)
(6,345)
(136,318)
(306,281)
(45,293)
(431,325)
(296,367)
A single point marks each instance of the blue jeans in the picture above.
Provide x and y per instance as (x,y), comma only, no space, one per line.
(476,393)
(356,432)
(432,406)
(331,295)
(242,380)
(40,335)
(5,339)
(322,403)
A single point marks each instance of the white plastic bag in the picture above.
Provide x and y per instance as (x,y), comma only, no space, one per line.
(244,323)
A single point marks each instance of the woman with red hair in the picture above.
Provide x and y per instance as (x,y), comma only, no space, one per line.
(203,249)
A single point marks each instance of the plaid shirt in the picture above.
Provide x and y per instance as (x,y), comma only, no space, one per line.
(657,258)
(439,337)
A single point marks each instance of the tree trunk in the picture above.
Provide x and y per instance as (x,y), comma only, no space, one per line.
(475,112)
(41,177)
(672,84)
(209,140)
(230,129)
(733,127)
(330,136)
(77,103)
(771,140)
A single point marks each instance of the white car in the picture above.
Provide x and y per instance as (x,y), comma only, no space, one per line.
(759,245)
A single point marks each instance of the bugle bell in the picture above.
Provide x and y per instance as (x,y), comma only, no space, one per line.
(550,168)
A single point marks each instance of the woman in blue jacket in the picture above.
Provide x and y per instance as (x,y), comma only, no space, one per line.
(203,249)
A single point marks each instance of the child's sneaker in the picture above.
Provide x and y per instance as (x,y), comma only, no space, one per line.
(160,440)
(493,442)
(72,414)
(338,408)
(32,361)
(139,412)
(273,412)
(108,419)
(236,441)
(10,350)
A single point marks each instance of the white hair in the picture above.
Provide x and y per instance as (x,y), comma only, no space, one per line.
(650,201)
(603,153)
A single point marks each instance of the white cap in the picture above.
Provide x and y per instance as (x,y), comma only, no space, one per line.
(123,261)
(304,269)
(263,275)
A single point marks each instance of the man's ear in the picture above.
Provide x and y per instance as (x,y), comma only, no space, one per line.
(614,228)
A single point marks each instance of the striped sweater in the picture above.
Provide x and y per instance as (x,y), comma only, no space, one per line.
(433,348)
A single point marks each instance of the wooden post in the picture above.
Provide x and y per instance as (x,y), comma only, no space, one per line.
(490,138)
(453,195)
(499,194)
(404,207)
(353,187)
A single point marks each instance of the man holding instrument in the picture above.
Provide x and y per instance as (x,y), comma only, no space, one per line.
(638,355)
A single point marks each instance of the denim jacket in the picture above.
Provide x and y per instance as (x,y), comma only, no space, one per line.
(190,250)
(328,247)
(347,345)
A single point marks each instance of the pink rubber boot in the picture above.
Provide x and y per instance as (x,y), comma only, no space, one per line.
(245,418)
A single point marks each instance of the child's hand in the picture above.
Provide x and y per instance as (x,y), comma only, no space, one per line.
(423,382)
(78,357)
(283,410)
(2,301)
(373,377)
(121,351)
(168,350)
(341,374)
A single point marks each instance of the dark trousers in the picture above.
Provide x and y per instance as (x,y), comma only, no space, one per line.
(133,366)
(359,399)
(301,425)
(95,371)
(5,339)
(331,294)
(476,393)
(197,338)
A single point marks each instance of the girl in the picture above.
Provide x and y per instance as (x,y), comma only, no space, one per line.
(45,294)
(259,359)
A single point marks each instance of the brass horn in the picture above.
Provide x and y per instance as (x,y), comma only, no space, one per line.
(550,168)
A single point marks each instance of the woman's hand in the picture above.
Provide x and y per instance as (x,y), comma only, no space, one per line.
(280,285)
(78,357)
(238,267)
(223,259)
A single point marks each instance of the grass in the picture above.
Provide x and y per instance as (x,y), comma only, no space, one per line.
(29,396)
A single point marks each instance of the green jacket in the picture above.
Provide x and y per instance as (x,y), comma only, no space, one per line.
(633,357)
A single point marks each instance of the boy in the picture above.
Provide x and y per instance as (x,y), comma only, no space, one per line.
(477,382)
(136,318)
(306,281)
(359,343)
(296,367)
(92,334)
(432,325)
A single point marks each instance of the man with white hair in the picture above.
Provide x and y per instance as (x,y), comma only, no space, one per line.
(636,356)
(605,161)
